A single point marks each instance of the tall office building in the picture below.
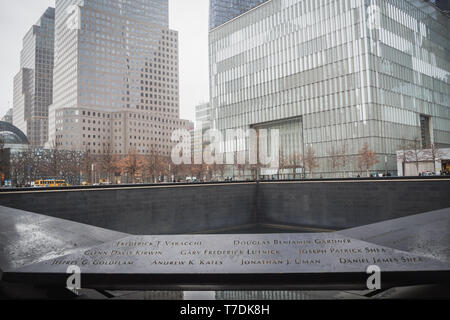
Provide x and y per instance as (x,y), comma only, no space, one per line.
(222,11)
(116,77)
(33,85)
(335,74)
(203,118)
(203,115)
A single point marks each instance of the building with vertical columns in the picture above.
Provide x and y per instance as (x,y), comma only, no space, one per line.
(203,115)
(116,85)
(335,74)
(33,85)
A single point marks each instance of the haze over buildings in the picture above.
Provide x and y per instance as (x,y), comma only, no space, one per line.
(33,84)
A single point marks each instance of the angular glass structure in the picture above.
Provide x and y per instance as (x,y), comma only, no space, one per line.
(10,134)
(222,11)
(354,72)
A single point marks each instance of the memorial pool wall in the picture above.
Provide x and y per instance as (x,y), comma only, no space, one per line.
(216,208)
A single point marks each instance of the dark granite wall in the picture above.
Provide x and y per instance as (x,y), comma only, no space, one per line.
(145,211)
(342,205)
(202,208)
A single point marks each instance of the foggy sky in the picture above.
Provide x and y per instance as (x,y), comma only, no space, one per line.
(188,17)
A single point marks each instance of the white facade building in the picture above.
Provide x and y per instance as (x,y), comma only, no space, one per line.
(416,162)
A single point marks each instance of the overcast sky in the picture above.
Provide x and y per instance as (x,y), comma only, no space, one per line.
(188,17)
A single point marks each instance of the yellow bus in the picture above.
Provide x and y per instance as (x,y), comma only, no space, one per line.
(50,183)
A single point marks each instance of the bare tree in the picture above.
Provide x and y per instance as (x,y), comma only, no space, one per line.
(176,170)
(108,162)
(283,162)
(221,170)
(73,166)
(255,168)
(310,160)
(415,152)
(132,164)
(216,170)
(87,163)
(345,158)
(23,167)
(335,159)
(241,167)
(153,165)
(198,170)
(17,169)
(166,168)
(434,154)
(54,161)
(367,158)
(39,167)
(294,162)
(4,167)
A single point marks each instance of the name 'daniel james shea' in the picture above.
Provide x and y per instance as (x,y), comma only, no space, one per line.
(380,260)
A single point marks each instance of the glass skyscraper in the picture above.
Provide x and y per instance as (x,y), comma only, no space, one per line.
(203,115)
(116,77)
(33,85)
(335,74)
(222,11)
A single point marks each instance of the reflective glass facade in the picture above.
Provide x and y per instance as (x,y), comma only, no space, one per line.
(10,134)
(355,72)
(222,11)
(203,115)
(443,5)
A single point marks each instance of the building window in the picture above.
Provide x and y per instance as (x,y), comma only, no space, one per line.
(425,131)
